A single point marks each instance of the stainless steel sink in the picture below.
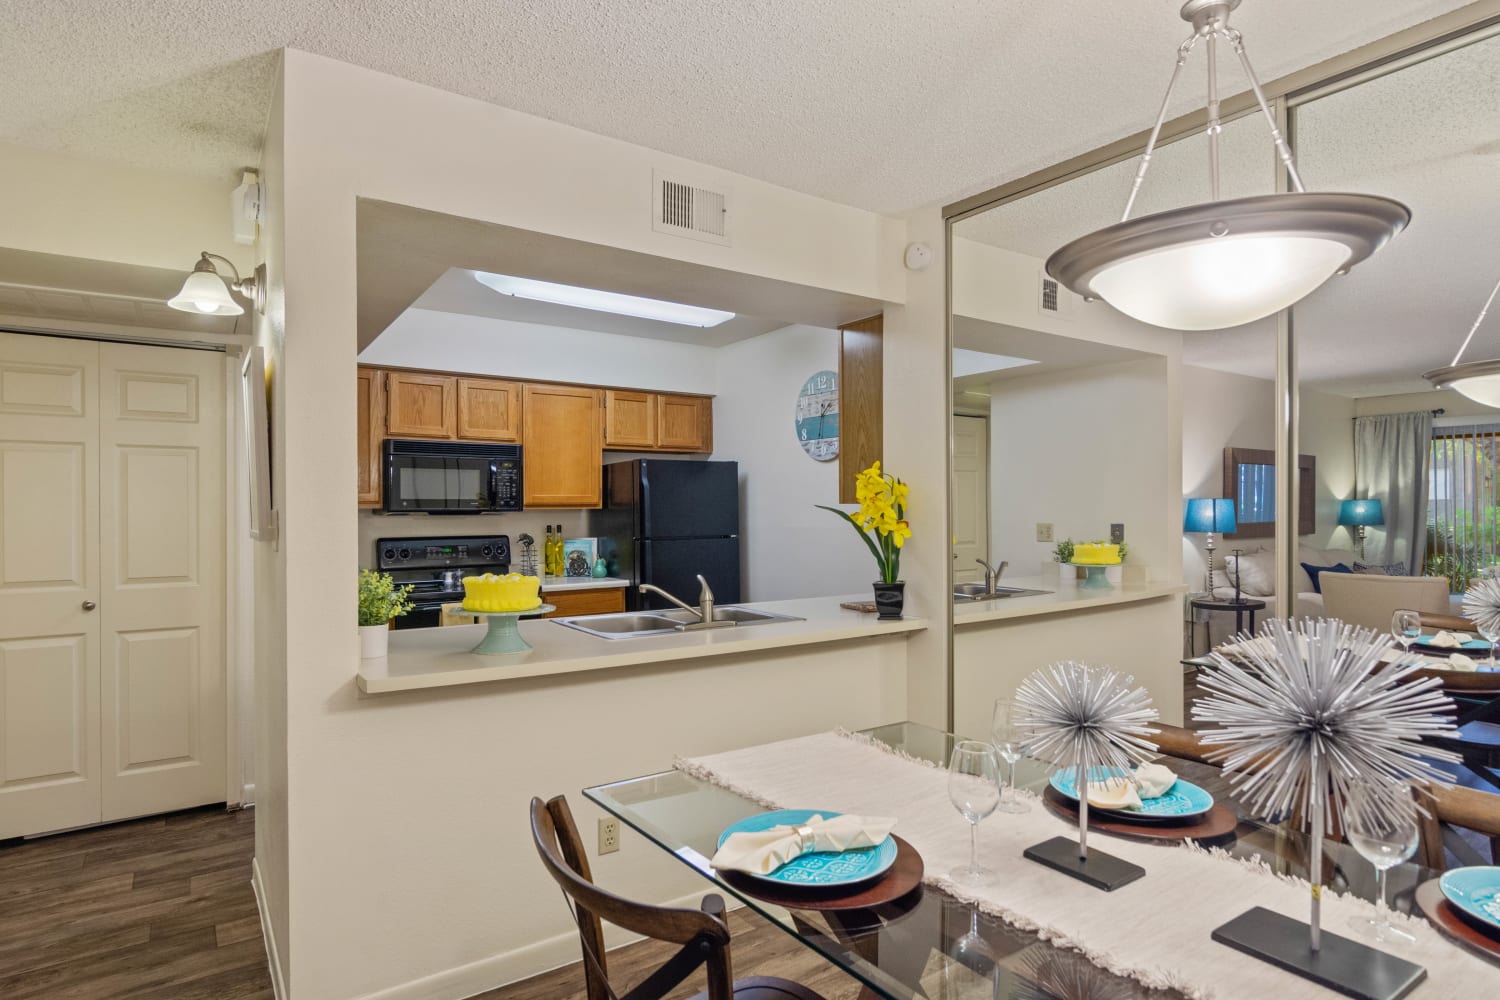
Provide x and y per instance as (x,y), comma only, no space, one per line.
(739,616)
(632,625)
(976,592)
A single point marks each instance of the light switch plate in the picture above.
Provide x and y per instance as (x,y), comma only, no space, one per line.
(1043,532)
(1116,534)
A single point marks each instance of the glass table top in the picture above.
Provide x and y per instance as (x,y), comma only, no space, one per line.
(925,946)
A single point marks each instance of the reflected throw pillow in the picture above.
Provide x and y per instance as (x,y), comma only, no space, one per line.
(1313,572)
(1389,569)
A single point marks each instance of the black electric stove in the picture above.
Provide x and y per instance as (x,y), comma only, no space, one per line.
(435,568)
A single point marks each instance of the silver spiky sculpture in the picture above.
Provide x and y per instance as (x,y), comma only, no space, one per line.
(1482,604)
(1088,719)
(1312,713)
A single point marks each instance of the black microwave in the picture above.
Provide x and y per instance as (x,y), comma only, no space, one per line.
(451,477)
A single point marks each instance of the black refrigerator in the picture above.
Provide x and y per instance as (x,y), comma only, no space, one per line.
(664,522)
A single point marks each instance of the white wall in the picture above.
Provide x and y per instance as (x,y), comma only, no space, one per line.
(788,548)
(1083,448)
(425,338)
(1222,410)
(70,205)
(1453,404)
(375,779)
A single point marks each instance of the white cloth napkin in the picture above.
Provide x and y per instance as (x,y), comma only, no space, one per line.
(763,852)
(1449,640)
(1152,781)
(1458,661)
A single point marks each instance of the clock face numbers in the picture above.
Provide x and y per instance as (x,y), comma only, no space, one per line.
(817,416)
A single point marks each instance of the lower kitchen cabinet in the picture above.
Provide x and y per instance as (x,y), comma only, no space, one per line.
(592,601)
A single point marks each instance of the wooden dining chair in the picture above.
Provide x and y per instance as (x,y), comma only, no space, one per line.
(703,934)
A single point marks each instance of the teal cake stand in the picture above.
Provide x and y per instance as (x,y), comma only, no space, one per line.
(1096,577)
(503,636)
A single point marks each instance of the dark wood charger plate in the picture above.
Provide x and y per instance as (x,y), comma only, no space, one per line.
(1218,822)
(1448,919)
(903,877)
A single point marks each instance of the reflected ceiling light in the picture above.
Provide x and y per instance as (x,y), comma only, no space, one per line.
(1479,380)
(1224,263)
(205,291)
(602,301)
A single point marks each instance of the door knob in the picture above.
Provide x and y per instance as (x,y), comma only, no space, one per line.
(89,605)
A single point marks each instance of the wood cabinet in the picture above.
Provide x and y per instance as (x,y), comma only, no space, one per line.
(421,406)
(594,601)
(861,400)
(629,419)
(489,410)
(562,434)
(684,423)
(370,422)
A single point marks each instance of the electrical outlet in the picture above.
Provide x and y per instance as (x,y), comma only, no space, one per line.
(1116,534)
(609,835)
(1043,532)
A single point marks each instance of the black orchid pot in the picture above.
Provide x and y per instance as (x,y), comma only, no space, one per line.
(890,598)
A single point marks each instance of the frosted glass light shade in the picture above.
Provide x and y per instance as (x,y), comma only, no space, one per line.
(1225,263)
(205,292)
(602,301)
(1221,283)
(1479,380)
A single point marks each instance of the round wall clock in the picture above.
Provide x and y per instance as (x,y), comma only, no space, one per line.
(817,416)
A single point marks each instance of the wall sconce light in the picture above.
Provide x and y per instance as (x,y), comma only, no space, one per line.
(1357,515)
(205,291)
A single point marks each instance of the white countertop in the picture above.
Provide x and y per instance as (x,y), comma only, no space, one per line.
(582,583)
(441,657)
(1060,599)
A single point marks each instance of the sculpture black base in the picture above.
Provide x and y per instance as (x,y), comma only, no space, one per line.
(1100,870)
(1342,965)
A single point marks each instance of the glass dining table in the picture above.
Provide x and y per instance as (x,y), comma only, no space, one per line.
(923,945)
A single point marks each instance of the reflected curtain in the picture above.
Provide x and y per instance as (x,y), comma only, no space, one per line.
(1391,453)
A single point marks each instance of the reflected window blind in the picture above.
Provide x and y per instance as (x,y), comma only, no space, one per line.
(1463,512)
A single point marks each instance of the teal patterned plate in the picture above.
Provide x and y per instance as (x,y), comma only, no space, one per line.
(1183,801)
(821,869)
(1475,891)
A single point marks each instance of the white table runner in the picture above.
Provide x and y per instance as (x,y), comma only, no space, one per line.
(1155,930)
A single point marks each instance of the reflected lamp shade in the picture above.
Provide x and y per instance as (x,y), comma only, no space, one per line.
(1361,513)
(1209,515)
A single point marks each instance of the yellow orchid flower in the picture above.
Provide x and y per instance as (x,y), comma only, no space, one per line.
(900,533)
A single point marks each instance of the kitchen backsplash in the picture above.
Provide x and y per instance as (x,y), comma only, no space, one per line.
(532,522)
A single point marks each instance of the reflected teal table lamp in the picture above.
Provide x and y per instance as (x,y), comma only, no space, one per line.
(1207,515)
(1358,515)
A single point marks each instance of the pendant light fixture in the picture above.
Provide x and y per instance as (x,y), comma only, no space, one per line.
(1479,380)
(1224,263)
(206,292)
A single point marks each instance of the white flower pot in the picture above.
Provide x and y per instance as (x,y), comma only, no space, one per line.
(1067,575)
(373,641)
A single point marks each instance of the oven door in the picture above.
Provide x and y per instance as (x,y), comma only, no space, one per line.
(425,613)
(435,482)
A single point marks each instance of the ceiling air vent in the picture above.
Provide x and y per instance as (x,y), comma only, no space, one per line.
(1053,300)
(685,209)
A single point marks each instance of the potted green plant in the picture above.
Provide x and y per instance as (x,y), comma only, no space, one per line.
(380,600)
(881,524)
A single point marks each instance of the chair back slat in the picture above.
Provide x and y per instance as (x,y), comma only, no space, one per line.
(561,850)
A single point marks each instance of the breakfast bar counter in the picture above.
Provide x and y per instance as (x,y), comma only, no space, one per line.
(442,657)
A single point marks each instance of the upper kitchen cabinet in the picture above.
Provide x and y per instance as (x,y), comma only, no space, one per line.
(421,406)
(562,436)
(629,419)
(371,429)
(684,423)
(489,410)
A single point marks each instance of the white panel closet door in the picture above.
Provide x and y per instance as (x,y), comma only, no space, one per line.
(162,578)
(971,497)
(49,584)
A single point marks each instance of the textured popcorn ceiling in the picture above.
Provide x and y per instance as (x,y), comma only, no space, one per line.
(884,104)
(1428,135)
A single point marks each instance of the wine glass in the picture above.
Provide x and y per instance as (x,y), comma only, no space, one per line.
(974,790)
(1007,735)
(973,954)
(1406,627)
(1382,826)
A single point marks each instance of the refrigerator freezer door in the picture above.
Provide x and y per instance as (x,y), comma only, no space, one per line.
(685,499)
(673,566)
